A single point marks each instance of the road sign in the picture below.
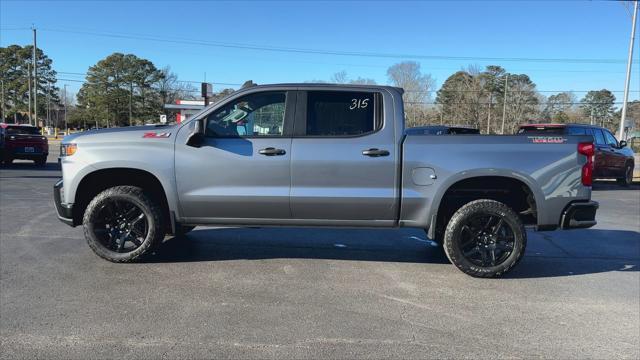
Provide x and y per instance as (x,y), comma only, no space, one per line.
(163,119)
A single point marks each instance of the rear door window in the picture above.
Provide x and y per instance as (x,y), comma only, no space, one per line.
(341,113)
(577,131)
(597,135)
(22,130)
(610,139)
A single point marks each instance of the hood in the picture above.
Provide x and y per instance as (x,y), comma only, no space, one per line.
(122,133)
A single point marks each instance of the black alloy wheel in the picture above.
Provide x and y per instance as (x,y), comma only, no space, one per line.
(486,240)
(122,227)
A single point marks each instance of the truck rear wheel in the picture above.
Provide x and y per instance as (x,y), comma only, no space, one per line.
(485,238)
(122,223)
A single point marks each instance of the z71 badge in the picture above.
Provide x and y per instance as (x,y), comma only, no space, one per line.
(156,135)
(547,139)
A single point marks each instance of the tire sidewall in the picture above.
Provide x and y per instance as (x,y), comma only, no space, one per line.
(484,207)
(136,197)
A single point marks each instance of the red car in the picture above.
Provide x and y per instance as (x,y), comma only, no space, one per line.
(613,158)
(22,142)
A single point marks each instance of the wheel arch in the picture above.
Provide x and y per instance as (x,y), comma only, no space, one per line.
(486,180)
(99,180)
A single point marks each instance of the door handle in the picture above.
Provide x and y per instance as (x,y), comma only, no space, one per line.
(375,152)
(271,151)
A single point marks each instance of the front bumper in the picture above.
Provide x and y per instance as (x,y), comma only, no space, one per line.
(579,215)
(64,211)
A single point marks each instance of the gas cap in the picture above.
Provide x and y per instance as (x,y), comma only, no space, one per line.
(423,176)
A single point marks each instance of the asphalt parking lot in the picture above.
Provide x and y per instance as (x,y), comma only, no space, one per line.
(311,293)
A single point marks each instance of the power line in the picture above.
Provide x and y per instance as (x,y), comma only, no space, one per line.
(408,91)
(330,52)
(183,81)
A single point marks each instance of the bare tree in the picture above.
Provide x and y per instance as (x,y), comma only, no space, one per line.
(171,89)
(339,77)
(523,101)
(557,106)
(417,87)
(363,81)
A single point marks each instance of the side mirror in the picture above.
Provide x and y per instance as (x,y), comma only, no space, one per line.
(622,144)
(196,137)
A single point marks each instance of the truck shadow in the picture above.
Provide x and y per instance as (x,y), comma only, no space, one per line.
(544,258)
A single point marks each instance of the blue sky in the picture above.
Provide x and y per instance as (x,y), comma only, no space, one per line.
(565,30)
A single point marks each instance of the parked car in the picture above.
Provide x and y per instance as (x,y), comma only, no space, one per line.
(441,130)
(23,142)
(331,155)
(613,158)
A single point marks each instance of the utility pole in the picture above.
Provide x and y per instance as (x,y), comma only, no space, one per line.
(4,114)
(66,127)
(29,81)
(504,104)
(628,78)
(489,116)
(49,105)
(35,81)
(130,101)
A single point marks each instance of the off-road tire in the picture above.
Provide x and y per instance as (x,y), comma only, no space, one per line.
(149,207)
(454,229)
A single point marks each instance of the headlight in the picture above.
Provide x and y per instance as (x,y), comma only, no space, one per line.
(68,149)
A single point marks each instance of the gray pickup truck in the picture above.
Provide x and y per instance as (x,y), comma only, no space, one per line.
(322,155)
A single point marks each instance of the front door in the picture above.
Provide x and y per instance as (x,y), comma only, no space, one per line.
(241,173)
(343,159)
(618,159)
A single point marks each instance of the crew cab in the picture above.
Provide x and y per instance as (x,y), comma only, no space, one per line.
(19,141)
(322,155)
(613,158)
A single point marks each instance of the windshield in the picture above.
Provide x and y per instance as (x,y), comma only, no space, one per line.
(22,130)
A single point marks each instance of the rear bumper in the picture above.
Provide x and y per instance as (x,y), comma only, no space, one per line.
(18,152)
(64,211)
(578,215)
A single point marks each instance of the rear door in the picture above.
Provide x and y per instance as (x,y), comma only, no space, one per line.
(618,159)
(343,158)
(603,155)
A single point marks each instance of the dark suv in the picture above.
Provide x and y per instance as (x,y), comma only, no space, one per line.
(22,142)
(613,159)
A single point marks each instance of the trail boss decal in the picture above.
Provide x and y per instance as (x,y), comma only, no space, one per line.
(156,135)
(547,139)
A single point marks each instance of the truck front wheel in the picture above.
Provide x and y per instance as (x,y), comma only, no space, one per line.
(485,238)
(122,223)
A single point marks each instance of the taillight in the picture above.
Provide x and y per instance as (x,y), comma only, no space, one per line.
(587,149)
